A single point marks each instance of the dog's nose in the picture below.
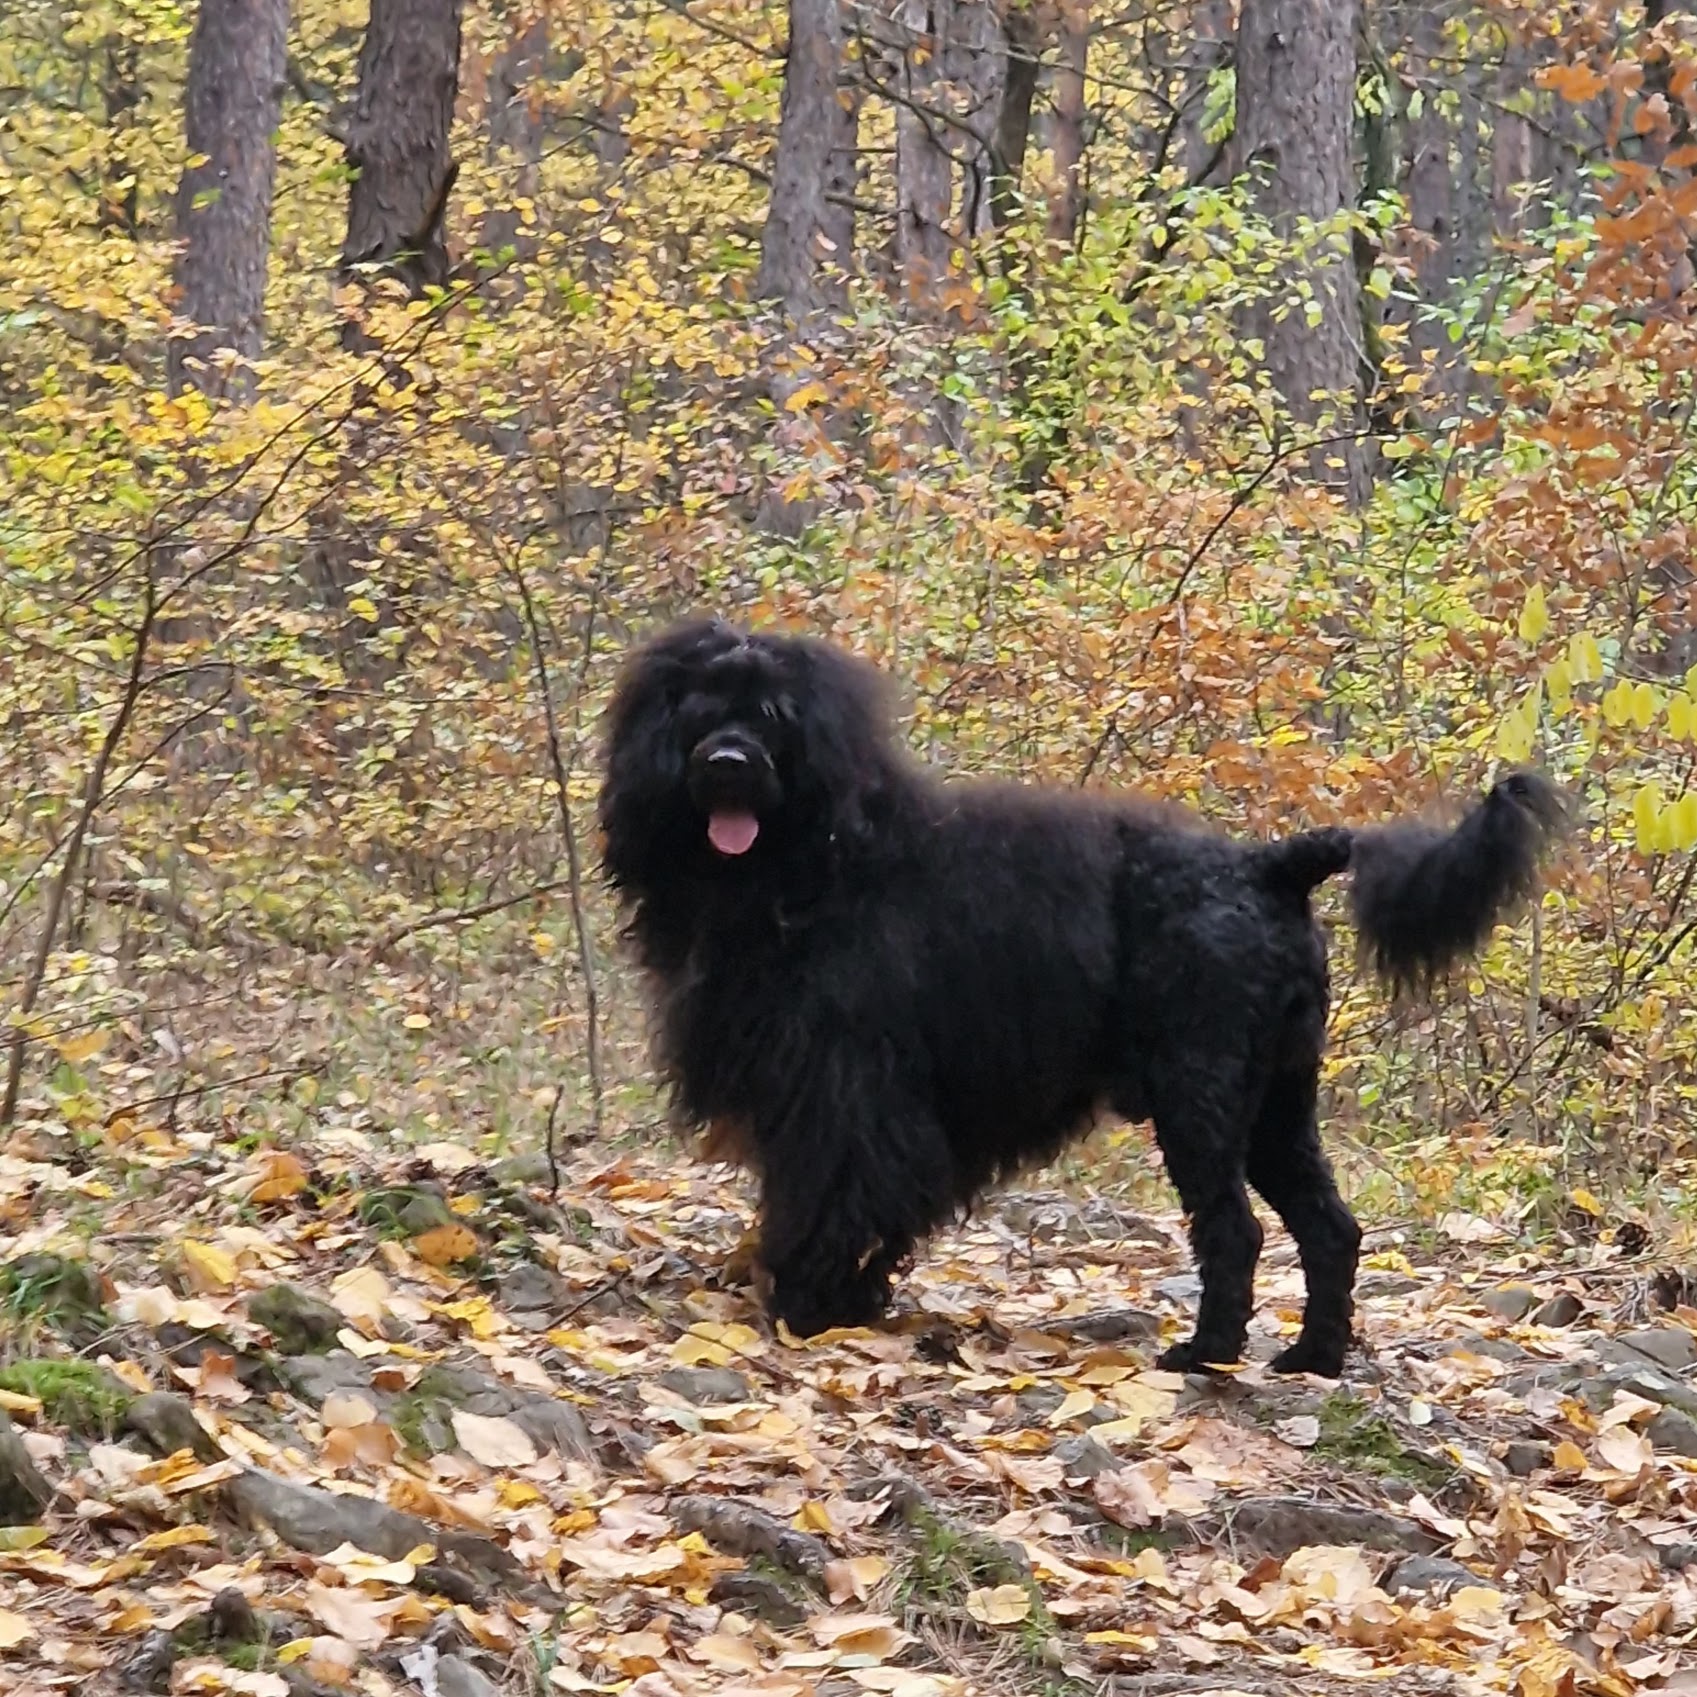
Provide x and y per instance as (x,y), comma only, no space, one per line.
(728,757)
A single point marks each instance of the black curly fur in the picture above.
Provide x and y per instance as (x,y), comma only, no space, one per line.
(894,991)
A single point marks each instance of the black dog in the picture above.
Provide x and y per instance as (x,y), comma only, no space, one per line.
(889,991)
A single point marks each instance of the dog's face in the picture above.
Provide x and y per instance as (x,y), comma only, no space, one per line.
(732,751)
(738,730)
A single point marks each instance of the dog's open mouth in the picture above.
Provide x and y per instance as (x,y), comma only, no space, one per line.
(732,833)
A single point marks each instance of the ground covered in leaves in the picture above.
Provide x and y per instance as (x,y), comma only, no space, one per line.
(341,1419)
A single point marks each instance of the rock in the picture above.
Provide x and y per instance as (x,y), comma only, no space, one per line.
(527,1288)
(1037,1403)
(1524,1457)
(522,1169)
(1671,1347)
(299,1322)
(230,1619)
(1675,1558)
(314,1520)
(24,1490)
(62,1292)
(1510,1302)
(1674,1429)
(437,1579)
(1180,1287)
(314,1377)
(409,1208)
(758,1594)
(1561,1310)
(554,1425)
(1496,1349)
(740,1529)
(1598,1389)
(1372,1285)
(1434,1575)
(1109,1325)
(1084,1458)
(706,1386)
(149,1669)
(166,1423)
(1278,1526)
(456,1676)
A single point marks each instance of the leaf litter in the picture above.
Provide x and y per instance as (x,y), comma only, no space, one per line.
(547,1446)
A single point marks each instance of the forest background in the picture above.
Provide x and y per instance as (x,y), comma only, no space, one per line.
(1284,407)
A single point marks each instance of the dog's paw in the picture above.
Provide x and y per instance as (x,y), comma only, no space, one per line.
(1323,1359)
(1187,1357)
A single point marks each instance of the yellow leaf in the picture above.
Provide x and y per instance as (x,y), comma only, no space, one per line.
(1534,615)
(1586,1203)
(14,1629)
(1617,704)
(854,1577)
(999,1605)
(442,1246)
(1568,1457)
(1584,658)
(363,608)
(1073,1406)
(210,1268)
(417,1022)
(1643,706)
(1646,813)
(85,1046)
(1682,827)
(282,1175)
(1679,715)
(809,394)
(172,1538)
(1558,678)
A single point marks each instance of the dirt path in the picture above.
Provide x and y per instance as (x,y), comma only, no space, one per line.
(341,1421)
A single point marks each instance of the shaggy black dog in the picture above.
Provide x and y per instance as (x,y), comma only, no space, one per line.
(887,991)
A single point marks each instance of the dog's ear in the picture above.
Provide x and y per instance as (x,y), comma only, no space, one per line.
(644,759)
(847,754)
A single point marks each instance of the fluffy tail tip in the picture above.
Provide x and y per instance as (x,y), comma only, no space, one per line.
(1426,898)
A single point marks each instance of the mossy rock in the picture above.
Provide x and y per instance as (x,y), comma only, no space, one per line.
(406,1210)
(56,1293)
(299,1322)
(86,1399)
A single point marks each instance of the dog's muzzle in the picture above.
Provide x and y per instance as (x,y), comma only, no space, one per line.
(733,781)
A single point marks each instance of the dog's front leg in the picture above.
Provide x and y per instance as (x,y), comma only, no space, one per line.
(844,1198)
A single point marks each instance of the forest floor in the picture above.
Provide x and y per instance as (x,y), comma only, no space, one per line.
(353,1418)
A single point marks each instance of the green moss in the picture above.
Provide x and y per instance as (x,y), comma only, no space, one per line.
(74,1394)
(1351,1434)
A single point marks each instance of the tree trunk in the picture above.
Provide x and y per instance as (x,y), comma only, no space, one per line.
(120,84)
(1067,202)
(1206,51)
(1295,117)
(516,127)
(924,165)
(238,59)
(800,247)
(1026,29)
(397,141)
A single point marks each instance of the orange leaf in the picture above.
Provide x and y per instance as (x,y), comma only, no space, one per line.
(442,1246)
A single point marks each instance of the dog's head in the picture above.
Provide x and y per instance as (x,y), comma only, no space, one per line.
(728,749)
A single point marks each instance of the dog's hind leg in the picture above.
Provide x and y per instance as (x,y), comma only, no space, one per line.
(1203,1149)
(1289,1168)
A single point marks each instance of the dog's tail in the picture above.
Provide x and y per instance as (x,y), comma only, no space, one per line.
(1425,898)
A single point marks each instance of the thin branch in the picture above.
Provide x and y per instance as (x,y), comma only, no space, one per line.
(93,793)
(574,860)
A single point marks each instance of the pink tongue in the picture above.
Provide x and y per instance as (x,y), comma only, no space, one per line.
(732,833)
